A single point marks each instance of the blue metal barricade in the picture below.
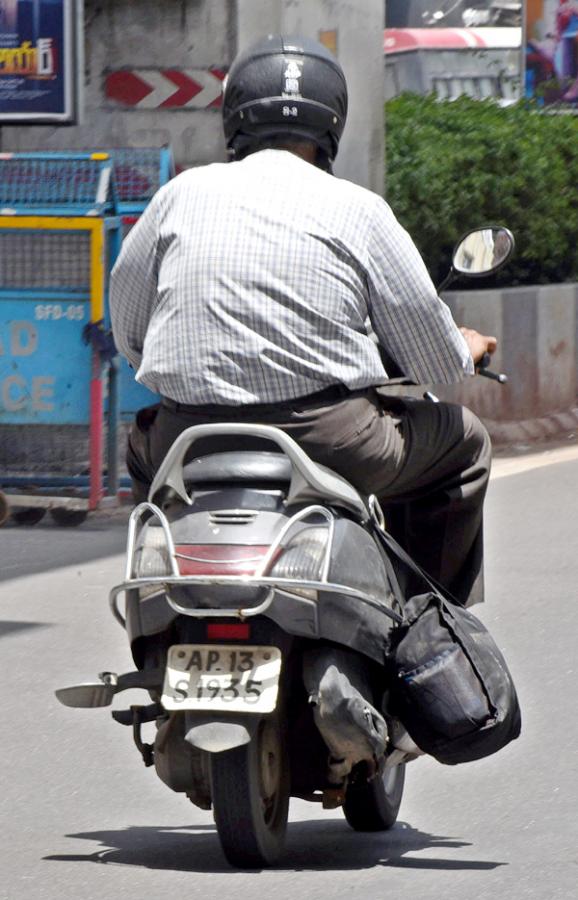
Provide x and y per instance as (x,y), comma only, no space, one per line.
(61,227)
(138,175)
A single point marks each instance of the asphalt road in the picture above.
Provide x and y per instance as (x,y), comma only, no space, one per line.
(82,819)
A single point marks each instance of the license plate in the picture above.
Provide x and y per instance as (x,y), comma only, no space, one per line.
(221,677)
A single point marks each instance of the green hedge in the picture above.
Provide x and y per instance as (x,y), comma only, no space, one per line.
(453,166)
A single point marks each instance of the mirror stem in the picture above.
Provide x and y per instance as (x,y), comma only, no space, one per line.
(450,277)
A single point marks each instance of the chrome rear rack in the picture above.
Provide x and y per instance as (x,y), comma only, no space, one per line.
(259,579)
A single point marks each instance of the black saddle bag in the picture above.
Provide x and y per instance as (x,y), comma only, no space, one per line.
(449,683)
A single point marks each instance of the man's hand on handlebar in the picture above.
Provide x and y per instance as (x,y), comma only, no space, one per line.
(479,344)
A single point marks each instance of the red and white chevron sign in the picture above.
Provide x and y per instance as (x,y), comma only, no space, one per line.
(165,88)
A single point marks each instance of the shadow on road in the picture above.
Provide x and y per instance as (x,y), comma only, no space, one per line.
(7,628)
(28,551)
(311,845)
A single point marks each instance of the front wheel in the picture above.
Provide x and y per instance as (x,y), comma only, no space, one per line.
(374,805)
(250,790)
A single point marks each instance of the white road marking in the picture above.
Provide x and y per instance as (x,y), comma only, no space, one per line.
(504,466)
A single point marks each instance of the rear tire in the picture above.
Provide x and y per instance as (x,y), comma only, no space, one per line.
(250,790)
(374,805)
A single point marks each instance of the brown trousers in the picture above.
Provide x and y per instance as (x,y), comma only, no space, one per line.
(428,464)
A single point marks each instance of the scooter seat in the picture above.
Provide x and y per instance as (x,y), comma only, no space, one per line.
(244,465)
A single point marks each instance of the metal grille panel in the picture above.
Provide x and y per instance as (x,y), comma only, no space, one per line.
(48,182)
(44,259)
(137,173)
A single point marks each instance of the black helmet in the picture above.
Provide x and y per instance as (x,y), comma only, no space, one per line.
(284,86)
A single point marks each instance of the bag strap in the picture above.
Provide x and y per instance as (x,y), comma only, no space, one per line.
(391,544)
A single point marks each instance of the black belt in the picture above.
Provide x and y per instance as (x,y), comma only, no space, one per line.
(331,394)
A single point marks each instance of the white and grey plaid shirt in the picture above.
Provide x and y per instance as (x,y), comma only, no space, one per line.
(252,282)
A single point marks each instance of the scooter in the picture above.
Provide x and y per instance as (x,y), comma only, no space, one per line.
(259,595)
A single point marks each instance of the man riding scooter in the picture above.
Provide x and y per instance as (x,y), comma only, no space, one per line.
(243,294)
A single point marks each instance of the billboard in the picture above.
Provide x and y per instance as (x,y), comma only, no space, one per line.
(552,52)
(39,60)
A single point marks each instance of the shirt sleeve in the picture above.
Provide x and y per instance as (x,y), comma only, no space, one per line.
(133,286)
(414,326)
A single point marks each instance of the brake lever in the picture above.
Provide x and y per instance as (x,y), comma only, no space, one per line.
(482,369)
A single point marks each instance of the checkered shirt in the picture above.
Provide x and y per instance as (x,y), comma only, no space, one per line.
(255,281)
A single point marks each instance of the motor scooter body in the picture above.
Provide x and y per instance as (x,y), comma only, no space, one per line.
(258,607)
(259,603)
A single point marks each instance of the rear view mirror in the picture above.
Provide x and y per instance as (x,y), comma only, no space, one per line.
(483,250)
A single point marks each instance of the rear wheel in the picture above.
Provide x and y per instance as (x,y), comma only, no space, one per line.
(250,789)
(374,805)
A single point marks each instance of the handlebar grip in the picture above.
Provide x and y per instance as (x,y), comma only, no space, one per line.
(495,376)
(482,369)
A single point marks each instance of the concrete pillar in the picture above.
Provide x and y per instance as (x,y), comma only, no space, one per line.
(256,19)
(354,31)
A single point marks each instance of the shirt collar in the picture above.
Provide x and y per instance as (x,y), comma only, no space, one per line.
(276,155)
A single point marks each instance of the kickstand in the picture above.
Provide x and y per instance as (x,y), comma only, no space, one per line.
(145,750)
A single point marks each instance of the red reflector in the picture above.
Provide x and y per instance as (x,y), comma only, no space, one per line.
(233,632)
(219,559)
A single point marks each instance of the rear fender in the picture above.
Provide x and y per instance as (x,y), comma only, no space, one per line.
(217,735)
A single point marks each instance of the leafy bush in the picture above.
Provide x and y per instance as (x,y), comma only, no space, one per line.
(454,166)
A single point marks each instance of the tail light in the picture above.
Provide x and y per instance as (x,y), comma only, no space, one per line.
(152,557)
(219,559)
(303,558)
(233,631)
